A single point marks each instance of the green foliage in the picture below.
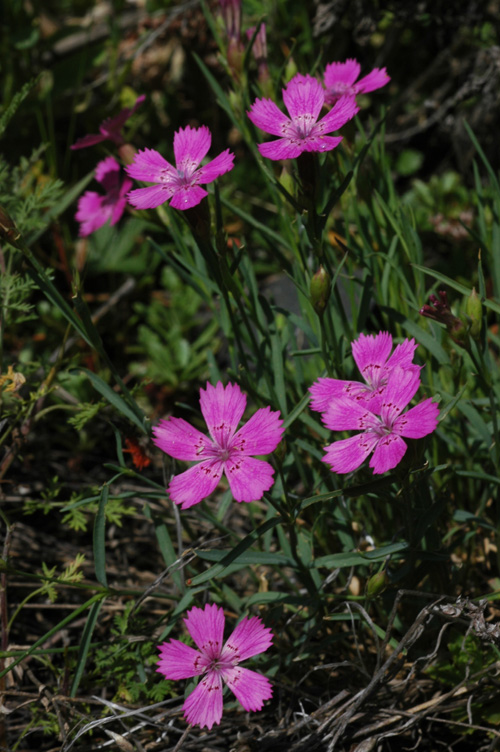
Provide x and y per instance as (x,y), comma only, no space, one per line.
(27,192)
(86,412)
(467,654)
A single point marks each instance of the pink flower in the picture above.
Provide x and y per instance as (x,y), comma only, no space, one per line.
(179,184)
(110,128)
(227,451)
(340,79)
(303,97)
(217,663)
(94,209)
(372,354)
(381,434)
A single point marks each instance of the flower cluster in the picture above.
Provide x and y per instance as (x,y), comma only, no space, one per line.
(217,662)
(304,97)
(376,407)
(95,209)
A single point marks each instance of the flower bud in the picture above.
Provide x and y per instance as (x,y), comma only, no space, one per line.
(320,290)
(440,310)
(473,308)
(376,584)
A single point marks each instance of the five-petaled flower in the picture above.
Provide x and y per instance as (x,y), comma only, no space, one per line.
(216,663)
(94,209)
(181,185)
(341,79)
(372,354)
(110,129)
(227,451)
(381,434)
(302,131)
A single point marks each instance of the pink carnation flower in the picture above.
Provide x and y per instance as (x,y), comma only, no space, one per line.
(381,434)
(227,451)
(372,354)
(217,663)
(94,209)
(179,184)
(110,129)
(341,79)
(302,131)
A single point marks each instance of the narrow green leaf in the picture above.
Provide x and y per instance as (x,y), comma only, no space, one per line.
(113,398)
(100,538)
(273,596)
(218,569)
(85,645)
(249,558)
(334,561)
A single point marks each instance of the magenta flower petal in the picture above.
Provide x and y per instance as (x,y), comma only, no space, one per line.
(150,198)
(261,434)
(346,73)
(203,707)
(180,440)
(249,638)
(121,202)
(222,407)
(325,389)
(179,184)
(109,128)
(187,197)
(179,661)
(388,453)
(282,148)
(216,663)
(374,80)
(190,146)
(370,353)
(218,166)
(347,455)
(341,112)
(317,142)
(90,213)
(419,421)
(206,627)
(195,484)
(249,478)
(403,355)
(345,414)
(150,166)
(304,98)
(89,140)
(402,385)
(267,116)
(227,450)
(250,688)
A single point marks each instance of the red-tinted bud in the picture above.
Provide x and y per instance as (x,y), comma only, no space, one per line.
(440,310)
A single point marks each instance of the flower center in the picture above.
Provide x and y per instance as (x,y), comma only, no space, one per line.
(339,88)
